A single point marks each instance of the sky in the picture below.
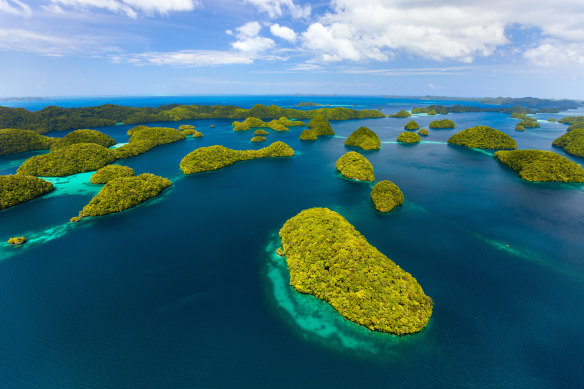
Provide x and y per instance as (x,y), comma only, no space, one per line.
(467,48)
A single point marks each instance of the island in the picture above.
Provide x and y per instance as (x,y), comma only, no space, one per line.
(307,104)
(442,124)
(261,132)
(109,172)
(143,139)
(17,189)
(364,138)
(321,126)
(529,123)
(123,193)
(17,240)
(408,137)
(483,137)
(386,195)
(68,160)
(84,136)
(14,141)
(188,129)
(572,142)
(216,157)
(308,134)
(281,124)
(423,132)
(412,126)
(329,259)
(258,138)
(354,166)
(519,127)
(541,166)
(571,120)
(401,114)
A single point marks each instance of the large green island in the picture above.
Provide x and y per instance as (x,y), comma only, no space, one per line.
(483,137)
(541,166)
(329,259)
(364,138)
(16,189)
(354,166)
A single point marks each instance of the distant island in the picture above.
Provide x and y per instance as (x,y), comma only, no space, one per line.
(332,261)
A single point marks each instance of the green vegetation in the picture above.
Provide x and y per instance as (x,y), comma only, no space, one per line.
(330,260)
(123,193)
(55,118)
(84,136)
(520,116)
(541,166)
(215,157)
(261,132)
(186,127)
(308,135)
(575,126)
(14,141)
(281,124)
(519,127)
(445,123)
(423,132)
(552,120)
(529,123)
(408,137)
(258,138)
(401,114)
(16,189)
(412,125)
(306,104)
(355,166)
(109,172)
(515,107)
(77,158)
(364,138)
(290,123)
(430,110)
(571,119)
(386,195)
(17,241)
(321,126)
(483,137)
(143,138)
(572,142)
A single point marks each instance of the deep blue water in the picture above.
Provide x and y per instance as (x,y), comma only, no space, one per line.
(185,291)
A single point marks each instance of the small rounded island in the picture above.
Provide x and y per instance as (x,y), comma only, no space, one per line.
(408,137)
(363,138)
(355,166)
(483,137)
(386,195)
(423,132)
(17,240)
(257,139)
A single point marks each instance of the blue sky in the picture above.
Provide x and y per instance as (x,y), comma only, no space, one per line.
(397,47)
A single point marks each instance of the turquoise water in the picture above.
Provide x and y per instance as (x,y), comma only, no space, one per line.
(185,291)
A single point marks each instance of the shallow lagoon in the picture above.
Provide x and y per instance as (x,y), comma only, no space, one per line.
(185,291)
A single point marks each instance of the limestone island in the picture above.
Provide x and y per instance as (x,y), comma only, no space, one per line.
(529,123)
(14,141)
(412,126)
(401,114)
(483,137)
(321,126)
(261,132)
(109,172)
(329,259)
(143,139)
(281,124)
(423,132)
(187,129)
(541,166)
(16,189)
(258,138)
(363,138)
(386,195)
(408,137)
(355,166)
(572,142)
(84,136)
(123,193)
(17,240)
(68,160)
(519,127)
(308,134)
(442,124)
(215,157)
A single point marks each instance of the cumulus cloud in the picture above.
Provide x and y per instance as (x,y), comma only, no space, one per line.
(283,32)
(358,30)
(15,7)
(556,54)
(133,8)
(275,8)
(248,39)
(187,58)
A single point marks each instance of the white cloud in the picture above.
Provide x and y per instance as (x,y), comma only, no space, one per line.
(275,8)
(360,30)
(248,39)
(283,32)
(557,54)
(133,8)
(187,58)
(15,7)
